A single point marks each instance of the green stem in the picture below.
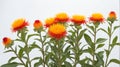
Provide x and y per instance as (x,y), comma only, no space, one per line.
(59,54)
(27,53)
(43,52)
(76,47)
(109,49)
(18,56)
(93,55)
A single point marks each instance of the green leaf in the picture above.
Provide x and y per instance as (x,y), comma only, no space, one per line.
(8,51)
(88,40)
(100,40)
(116,27)
(67,64)
(109,31)
(81,34)
(114,61)
(107,52)
(29,36)
(20,53)
(115,40)
(100,60)
(14,64)
(100,45)
(103,30)
(90,27)
(36,58)
(37,64)
(11,59)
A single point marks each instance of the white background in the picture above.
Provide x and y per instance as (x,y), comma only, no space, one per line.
(42,9)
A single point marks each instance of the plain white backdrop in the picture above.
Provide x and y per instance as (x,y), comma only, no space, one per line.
(42,9)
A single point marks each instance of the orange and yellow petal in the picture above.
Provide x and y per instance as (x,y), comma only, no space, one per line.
(6,41)
(97,17)
(61,17)
(112,16)
(57,31)
(78,19)
(19,24)
(37,24)
(49,21)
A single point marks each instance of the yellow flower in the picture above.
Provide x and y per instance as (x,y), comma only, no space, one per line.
(57,31)
(37,24)
(7,41)
(78,19)
(61,17)
(19,24)
(49,21)
(97,17)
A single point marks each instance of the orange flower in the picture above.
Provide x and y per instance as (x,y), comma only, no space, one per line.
(7,41)
(49,21)
(97,17)
(112,16)
(37,24)
(57,31)
(19,24)
(61,17)
(78,19)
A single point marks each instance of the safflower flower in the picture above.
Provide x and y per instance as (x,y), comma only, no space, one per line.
(61,17)
(57,31)
(96,17)
(112,16)
(19,24)
(37,24)
(49,21)
(78,19)
(7,41)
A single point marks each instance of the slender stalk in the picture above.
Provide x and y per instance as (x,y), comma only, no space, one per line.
(43,52)
(109,49)
(76,47)
(27,53)
(59,54)
(18,56)
(93,55)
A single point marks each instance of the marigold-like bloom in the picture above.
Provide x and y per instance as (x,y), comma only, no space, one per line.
(57,31)
(37,24)
(49,21)
(112,16)
(78,19)
(7,41)
(61,17)
(19,24)
(97,17)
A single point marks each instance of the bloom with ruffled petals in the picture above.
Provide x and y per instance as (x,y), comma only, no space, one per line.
(49,21)
(37,24)
(97,17)
(112,16)
(57,31)
(19,24)
(78,19)
(61,17)
(7,41)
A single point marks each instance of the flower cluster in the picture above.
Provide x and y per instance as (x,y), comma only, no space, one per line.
(61,39)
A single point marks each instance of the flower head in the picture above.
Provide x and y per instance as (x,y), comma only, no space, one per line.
(37,24)
(61,17)
(49,21)
(112,16)
(19,24)
(7,41)
(97,17)
(57,31)
(78,19)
